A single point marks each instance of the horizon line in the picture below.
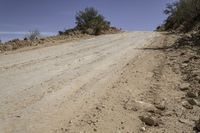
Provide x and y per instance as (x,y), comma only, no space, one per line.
(24,33)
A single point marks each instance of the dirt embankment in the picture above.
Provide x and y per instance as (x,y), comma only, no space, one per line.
(184,58)
(52,40)
(43,42)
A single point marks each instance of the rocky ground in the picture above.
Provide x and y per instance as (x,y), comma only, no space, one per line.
(175,91)
(184,59)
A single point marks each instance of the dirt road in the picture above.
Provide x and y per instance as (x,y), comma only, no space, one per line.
(84,86)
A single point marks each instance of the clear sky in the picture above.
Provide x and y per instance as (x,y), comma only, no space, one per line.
(53,15)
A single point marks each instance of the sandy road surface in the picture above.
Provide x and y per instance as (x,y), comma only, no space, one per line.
(45,90)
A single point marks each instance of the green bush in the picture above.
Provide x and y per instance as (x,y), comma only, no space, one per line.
(182,15)
(91,22)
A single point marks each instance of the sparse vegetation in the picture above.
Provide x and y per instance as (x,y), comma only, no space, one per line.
(33,35)
(183,15)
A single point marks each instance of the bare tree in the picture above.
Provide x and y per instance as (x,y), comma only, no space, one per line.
(33,35)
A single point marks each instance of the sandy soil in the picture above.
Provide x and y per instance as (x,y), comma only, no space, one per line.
(103,84)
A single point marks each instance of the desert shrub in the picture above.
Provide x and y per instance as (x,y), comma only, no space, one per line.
(33,35)
(182,15)
(91,22)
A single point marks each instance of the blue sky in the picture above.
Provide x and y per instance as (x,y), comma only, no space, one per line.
(50,16)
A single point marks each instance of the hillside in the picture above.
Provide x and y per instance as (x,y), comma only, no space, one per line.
(183,16)
(89,23)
